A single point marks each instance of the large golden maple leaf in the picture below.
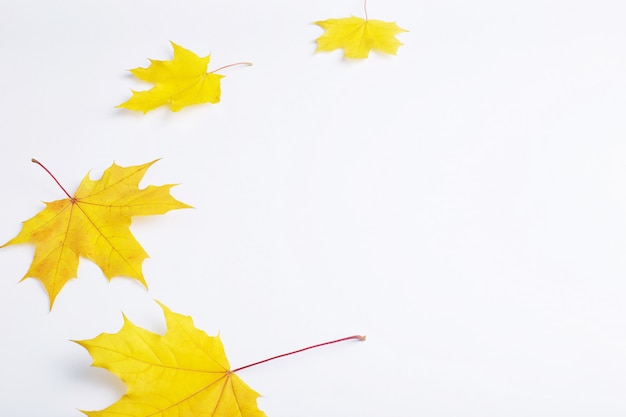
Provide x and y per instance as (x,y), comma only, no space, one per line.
(357,36)
(94,224)
(181,82)
(184,373)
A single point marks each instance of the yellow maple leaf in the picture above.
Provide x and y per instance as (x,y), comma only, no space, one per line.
(180,82)
(183,373)
(94,224)
(357,36)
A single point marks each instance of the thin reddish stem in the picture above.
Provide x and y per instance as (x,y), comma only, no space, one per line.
(365,8)
(231,65)
(357,337)
(53,177)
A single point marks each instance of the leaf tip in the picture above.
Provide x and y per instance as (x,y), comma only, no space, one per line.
(78,342)
(164,308)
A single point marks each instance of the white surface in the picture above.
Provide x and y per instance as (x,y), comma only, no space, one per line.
(462,204)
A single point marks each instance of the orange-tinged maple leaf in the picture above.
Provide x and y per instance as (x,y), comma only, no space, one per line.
(94,224)
(357,36)
(178,83)
(184,373)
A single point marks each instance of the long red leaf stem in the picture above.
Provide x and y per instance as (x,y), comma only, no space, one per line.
(231,65)
(365,8)
(53,177)
(357,337)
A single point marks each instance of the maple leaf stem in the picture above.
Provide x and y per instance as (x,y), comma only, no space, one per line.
(357,337)
(231,65)
(53,177)
(365,8)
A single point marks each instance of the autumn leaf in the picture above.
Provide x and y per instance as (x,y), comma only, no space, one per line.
(184,373)
(178,83)
(94,224)
(357,36)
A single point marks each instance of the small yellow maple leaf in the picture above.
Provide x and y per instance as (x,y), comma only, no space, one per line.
(94,223)
(357,36)
(184,373)
(180,82)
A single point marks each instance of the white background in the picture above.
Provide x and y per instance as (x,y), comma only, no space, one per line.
(463,203)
